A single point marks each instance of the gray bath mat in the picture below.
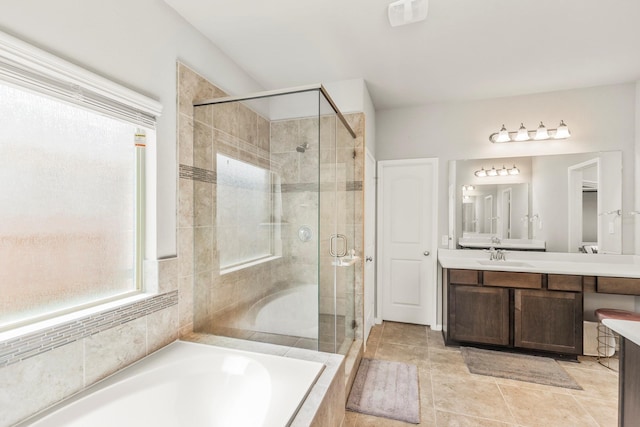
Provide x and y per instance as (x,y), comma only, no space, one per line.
(386,389)
(521,367)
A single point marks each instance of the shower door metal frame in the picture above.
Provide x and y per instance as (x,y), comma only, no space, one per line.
(270,93)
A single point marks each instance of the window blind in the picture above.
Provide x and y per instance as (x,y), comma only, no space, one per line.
(34,69)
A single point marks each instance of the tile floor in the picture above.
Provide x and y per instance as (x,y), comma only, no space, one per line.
(451,396)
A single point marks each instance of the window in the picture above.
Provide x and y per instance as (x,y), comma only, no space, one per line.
(67,197)
(71,162)
(247,219)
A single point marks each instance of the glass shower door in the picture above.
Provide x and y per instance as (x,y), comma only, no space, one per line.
(337,262)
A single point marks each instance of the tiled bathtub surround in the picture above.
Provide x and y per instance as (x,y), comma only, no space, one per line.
(22,348)
(70,357)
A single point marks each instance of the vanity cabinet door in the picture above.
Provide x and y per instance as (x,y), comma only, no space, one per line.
(479,314)
(629,384)
(548,321)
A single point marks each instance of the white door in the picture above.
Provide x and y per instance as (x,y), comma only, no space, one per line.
(407,218)
(369,242)
(488,214)
(505,213)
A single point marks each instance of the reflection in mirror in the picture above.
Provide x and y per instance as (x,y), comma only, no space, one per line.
(505,210)
(583,206)
(558,203)
(500,210)
(489,218)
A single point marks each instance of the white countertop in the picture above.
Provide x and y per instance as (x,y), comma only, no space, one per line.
(486,243)
(543,262)
(627,328)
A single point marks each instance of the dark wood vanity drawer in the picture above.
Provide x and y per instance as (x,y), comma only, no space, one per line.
(564,282)
(464,277)
(589,284)
(618,285)
(513,280)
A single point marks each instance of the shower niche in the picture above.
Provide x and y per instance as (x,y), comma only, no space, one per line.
(275,179)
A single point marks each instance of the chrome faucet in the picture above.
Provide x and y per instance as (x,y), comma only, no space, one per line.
(497,255)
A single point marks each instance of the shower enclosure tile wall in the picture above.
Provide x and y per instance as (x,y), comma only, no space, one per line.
(314,167)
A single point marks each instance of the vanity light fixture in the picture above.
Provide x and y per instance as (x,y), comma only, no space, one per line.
(503,135)
(523,134)
(482,173)
(468,188)
(562,131)
(541,133)
(404,12)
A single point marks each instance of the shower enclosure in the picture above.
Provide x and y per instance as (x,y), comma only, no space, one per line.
(274,219)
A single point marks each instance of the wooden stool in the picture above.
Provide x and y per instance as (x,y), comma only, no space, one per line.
(608,341)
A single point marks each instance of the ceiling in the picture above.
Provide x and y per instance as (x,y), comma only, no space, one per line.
(466,49)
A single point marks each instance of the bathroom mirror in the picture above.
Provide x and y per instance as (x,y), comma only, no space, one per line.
(558,203)
(496,209)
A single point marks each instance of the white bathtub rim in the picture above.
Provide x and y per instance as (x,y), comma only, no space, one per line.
(138,368)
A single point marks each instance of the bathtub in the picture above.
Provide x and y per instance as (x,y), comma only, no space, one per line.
(191,384)
(293,312)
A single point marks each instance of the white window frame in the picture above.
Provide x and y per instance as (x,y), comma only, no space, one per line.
(27,67)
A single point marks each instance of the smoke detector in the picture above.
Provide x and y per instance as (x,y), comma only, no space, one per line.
(404,12)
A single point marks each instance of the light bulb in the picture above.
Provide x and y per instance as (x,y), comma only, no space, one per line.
(523,133)
(542,133)
(481,173)
(503,171)
(492,172)
(514,170)
(562,131)
(503,135)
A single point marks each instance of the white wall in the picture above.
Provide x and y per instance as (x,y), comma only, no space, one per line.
(352,96)
(600,119)
(135,43)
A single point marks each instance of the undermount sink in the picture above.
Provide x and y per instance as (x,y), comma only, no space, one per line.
(505,263)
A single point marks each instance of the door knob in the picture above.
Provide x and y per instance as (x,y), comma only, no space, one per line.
(426,253)
(369,259)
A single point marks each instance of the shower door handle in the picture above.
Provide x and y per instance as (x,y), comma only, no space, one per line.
(332,245)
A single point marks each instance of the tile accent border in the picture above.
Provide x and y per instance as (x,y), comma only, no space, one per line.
(197,174)
(18,349)
(204,175)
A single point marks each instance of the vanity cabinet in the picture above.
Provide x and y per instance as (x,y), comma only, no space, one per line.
(531,311)
(548,320)
(618,285)
(479,314)
(629,384)
(513,279)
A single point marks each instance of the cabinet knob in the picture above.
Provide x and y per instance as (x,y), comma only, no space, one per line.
(369,259)
(426,253)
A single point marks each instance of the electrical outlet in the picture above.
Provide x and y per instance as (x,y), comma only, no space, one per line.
(612,228)
(445,241)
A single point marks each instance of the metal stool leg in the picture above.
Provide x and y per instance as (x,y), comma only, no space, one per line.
(607,344)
